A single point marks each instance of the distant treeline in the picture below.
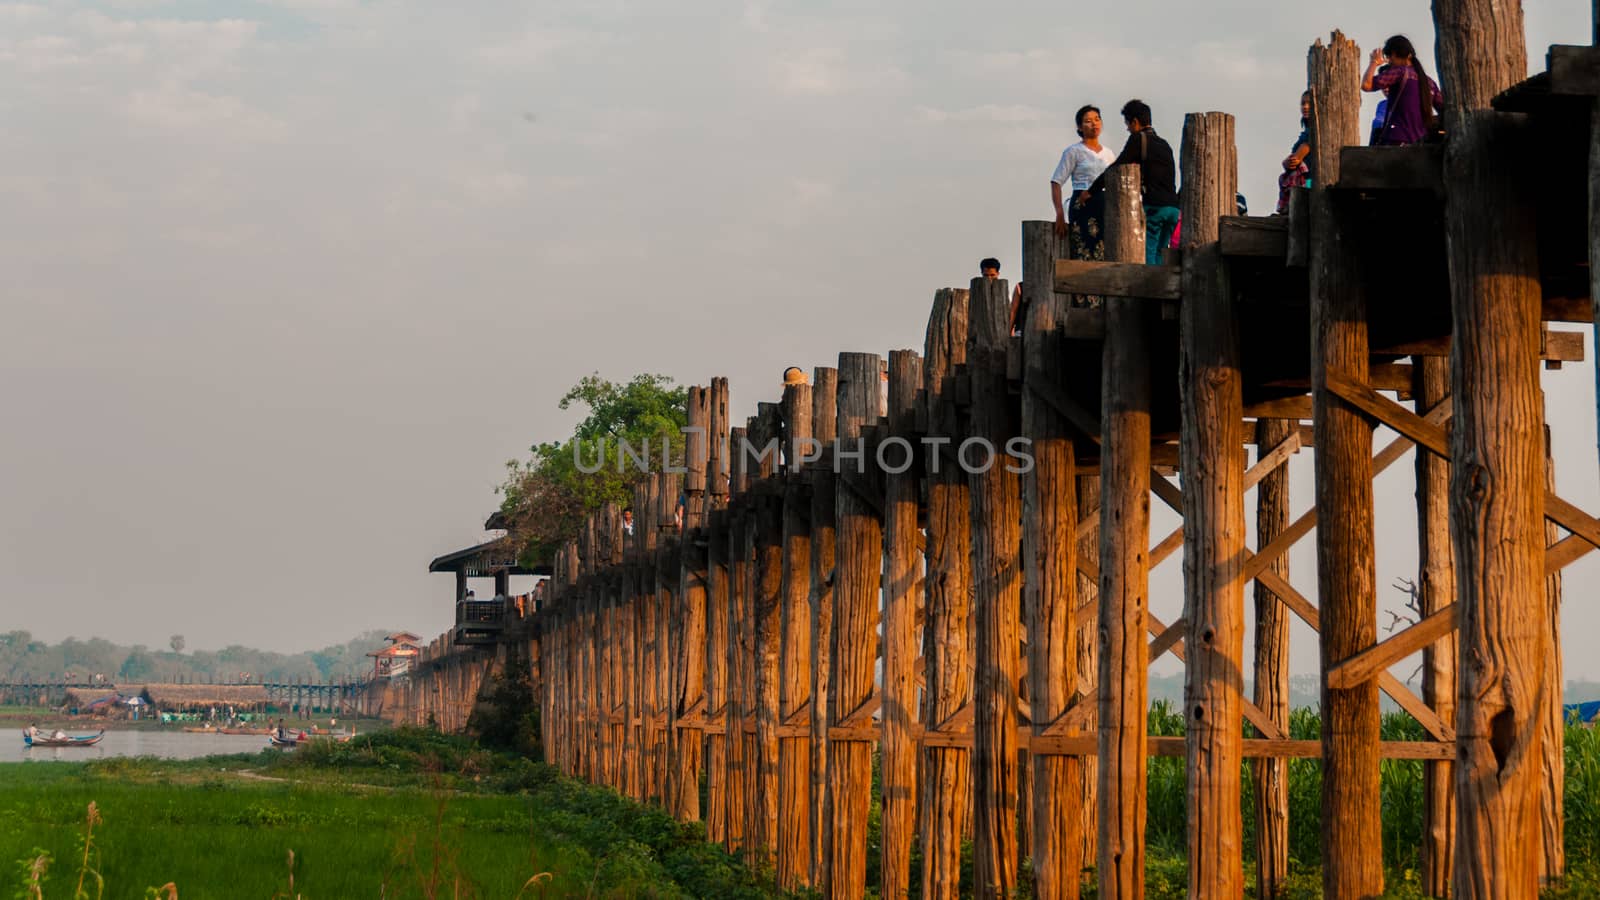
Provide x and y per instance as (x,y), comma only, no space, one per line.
(23,657)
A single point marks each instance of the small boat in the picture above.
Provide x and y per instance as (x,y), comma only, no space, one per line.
(286,743)
(85,740)
(245,730)
(202,730)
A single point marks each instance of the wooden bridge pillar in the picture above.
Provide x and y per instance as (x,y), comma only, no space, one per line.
(794,753)
(946,808)
(738,621)
(1351,847)
(1050,564)
(1210,446)
(1271,774)
(766,533)
(824,421)
(1124,556)
(902,594)
(858,570)
(720,721)
(1497,479)
(997,592)
(716,614)
(689,635)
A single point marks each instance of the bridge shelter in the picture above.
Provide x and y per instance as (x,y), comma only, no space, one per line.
(481,620)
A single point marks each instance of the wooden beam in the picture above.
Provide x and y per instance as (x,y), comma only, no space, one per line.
(1256,236)
(1118,279)
(1574,70)
(1380,656)
(1416,167)
(1281,408)
(1557,346)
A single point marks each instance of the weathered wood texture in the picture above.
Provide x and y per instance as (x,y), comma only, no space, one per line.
(1050,567)
(824,532)
(1436,589)
(1211,403)
(996,505)
(947,642)
(858,569)
(902,595)
(1346,578)
(738,620)
(1553,771)
(794,753)
(1497,473)
(1271,687)
(716,714)
(1123,558)
(689,630)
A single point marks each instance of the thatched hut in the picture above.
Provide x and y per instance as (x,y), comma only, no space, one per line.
(200,698)
(96,701)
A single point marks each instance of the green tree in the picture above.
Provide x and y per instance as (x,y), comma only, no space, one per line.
(176,643)
(139,665)
(545,499)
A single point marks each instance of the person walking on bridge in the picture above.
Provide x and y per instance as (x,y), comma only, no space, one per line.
(1158,170)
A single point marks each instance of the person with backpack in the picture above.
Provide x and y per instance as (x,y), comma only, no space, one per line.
(1158,178)
(1413,97)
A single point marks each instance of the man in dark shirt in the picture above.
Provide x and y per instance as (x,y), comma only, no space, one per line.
(1158,175)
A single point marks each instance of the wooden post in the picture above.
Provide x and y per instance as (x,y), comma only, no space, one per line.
(668,633)
(858,568)
(1553,770)
(738,620)
(767,632)
(823,542)
(1271,774)
(1124,559)
(717,605)
(1213,513)
(996,505)
(946,801)
(1351,848)
(717,602)
(794,753)
(689,640)
(902,590)
(1436,589)
(1050,564)
(1087,615)
(1497,479)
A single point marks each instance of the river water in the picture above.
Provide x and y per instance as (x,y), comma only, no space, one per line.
(166,744)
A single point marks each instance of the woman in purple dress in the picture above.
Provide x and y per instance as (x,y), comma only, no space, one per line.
(1412,96)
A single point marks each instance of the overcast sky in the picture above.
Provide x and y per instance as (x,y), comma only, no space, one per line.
(285,283)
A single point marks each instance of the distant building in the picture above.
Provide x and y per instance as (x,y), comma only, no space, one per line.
(396,658)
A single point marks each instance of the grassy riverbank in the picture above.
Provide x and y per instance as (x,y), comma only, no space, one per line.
(397,815)
(413,814)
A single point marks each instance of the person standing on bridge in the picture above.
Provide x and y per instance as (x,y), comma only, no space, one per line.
(1080,165)
(1412,96)
(1158,170)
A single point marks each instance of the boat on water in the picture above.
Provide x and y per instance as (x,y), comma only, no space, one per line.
(82,740)
(245,730)
(201,730)
(300,737)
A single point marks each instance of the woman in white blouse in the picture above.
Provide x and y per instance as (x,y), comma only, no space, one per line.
(1080,165)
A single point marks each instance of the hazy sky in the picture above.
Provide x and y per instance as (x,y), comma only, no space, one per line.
(286,282)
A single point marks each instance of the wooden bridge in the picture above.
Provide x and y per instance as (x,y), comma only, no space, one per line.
(989,629)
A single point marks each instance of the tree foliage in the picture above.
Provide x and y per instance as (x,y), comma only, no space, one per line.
(545,499)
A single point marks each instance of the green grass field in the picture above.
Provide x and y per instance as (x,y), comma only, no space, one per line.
(367,821)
